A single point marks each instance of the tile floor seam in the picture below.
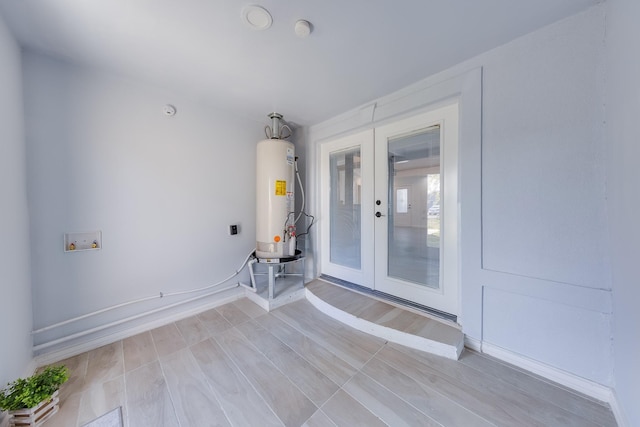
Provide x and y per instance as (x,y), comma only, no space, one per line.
(312,337)
(318,368)
(342,387)
(164,378)
(211,386)
(166,384)
(125,410)
(244,375)
(431,389)
(320,408)
(180,330)
(414,406)
(277,368)
(311,364)
(325,414)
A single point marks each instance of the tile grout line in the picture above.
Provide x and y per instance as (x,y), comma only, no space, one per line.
(312,338)
(164,377)
(278,369)
(124,415)
(244,375)
(314,365)
(432,389)
(82,391)
(351,379)
(206,380)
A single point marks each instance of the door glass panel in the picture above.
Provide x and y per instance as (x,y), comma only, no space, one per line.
(345,202)
(414,240)
(401,200)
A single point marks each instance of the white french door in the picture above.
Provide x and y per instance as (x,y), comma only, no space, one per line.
(346,235)
(418,261)
(389,200)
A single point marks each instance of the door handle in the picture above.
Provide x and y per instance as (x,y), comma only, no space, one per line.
(378,214)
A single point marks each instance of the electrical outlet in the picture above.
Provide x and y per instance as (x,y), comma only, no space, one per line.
(233,230)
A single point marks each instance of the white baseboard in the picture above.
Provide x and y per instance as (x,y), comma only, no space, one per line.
(93,343)
(472,344)
(567,379)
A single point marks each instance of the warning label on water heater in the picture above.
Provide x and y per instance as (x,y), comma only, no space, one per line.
(281,188)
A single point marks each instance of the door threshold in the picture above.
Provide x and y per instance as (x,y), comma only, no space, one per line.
(390,298)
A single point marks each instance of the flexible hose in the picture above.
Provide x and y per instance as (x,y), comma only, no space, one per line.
(301,192)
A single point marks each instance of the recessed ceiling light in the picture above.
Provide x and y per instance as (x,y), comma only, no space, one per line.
(256,17)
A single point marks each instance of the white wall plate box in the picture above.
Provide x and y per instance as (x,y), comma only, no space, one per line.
(87,241)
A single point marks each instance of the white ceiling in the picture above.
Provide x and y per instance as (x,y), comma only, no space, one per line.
(358,50)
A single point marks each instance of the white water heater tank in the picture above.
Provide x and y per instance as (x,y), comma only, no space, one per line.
(275,217)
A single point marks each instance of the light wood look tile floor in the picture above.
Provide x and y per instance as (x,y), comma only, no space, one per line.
(237,365)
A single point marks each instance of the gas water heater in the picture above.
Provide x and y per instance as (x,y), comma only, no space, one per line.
(275,174)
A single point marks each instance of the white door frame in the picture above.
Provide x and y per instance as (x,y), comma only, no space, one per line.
(445,297)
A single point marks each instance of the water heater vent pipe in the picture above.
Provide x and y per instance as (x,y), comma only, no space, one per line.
(275,131)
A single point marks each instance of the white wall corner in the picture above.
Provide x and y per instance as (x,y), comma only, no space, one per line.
(472,343)
(617,410)
(367,113)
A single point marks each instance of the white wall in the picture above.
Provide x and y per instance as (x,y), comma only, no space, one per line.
(545,247)
(623,184)
(163,191)
(15,281)
(538,284)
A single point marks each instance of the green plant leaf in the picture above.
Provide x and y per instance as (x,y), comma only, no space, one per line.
(29,392)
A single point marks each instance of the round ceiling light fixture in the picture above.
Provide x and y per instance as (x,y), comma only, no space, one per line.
(256,17)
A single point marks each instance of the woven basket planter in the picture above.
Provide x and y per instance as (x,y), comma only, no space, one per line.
(34,417)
